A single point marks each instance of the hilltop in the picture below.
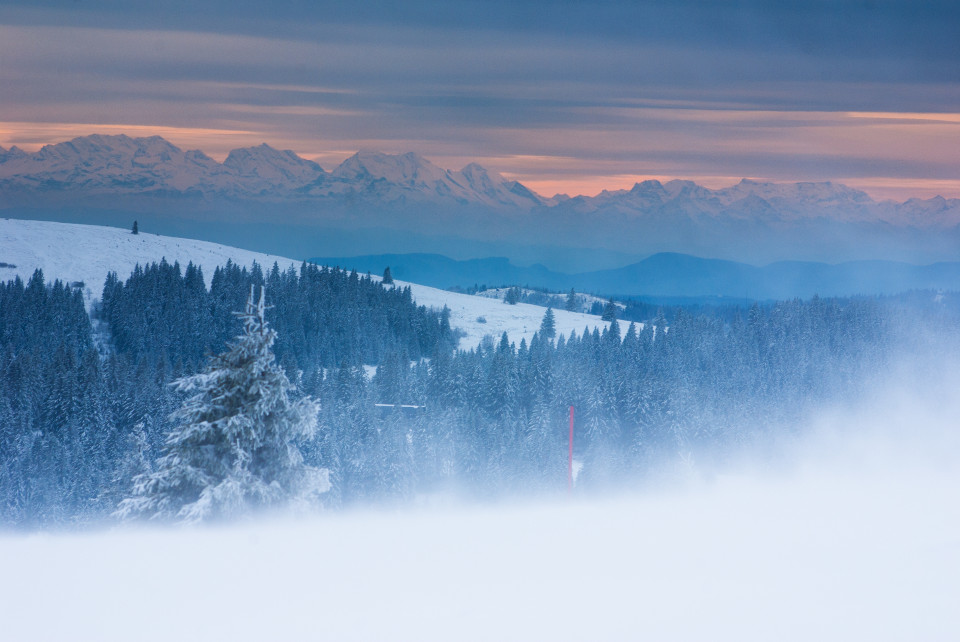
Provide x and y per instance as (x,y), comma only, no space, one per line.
(86,253)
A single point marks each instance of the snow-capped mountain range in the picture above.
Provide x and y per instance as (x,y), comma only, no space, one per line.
(101,165)
(756,201)
(410,176)
(280,203)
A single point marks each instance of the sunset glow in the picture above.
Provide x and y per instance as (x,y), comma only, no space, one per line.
(833,137)
(548,106)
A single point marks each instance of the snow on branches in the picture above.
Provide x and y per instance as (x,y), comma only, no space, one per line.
(234,448)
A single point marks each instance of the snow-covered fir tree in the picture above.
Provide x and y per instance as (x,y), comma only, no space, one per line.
(609,311)
(548,327)
(234,448)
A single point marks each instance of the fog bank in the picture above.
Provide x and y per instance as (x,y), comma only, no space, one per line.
(851,532)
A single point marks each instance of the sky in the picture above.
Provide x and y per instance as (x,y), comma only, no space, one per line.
(567,96)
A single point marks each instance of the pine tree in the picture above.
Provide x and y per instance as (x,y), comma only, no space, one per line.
(387,277)
(609,311)
(512,297)
(234,445)
(548,327)
(136,229)
(571,304)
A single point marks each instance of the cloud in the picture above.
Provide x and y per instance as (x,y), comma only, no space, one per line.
(685,89)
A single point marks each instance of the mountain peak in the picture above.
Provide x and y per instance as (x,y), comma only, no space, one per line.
(11,154)
(480,178)
(406,169)
(686,188)
(278,168)
(493,189)
(377,156)
(254,150)
(808,191)
(100,150)
(262,150)
(118,141)
(649,185)
(474,168)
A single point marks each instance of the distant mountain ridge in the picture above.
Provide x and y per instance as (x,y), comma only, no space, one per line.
(118,164)
(104,165)
(755,201)
(280,203)
(671,274)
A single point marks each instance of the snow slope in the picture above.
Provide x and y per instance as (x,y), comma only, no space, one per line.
(87,253)
(856,539)
(519,321)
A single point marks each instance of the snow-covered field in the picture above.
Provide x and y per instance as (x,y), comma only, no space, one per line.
(854,536)
(87,253)
(479,316)
(585,301)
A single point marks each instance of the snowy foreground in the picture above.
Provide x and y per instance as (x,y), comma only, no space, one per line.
(86,253)
(852,535)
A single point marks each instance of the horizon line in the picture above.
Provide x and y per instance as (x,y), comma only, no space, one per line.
(879,189)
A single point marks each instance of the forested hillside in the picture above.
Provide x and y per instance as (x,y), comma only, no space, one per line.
(83,412)
(324,317)
(84,406)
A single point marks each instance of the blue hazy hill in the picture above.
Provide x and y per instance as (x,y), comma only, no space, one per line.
(670,274)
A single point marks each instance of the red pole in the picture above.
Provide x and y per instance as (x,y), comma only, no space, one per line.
(570,456)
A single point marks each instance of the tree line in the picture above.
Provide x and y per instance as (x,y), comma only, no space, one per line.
(85,402)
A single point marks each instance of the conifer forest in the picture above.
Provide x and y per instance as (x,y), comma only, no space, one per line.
(87,399)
